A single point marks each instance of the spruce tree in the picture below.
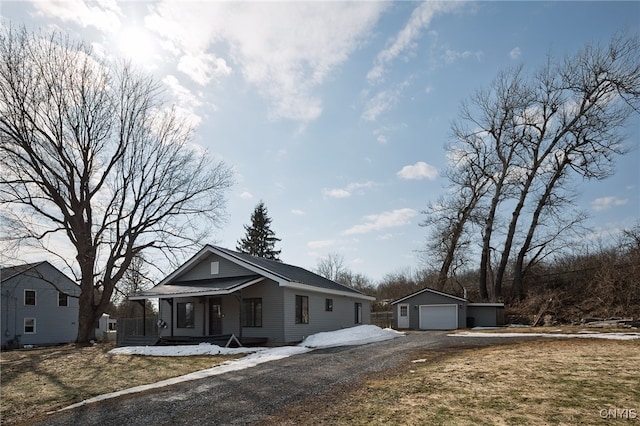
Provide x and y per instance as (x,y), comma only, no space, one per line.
(259,240)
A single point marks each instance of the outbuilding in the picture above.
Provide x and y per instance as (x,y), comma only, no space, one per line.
(430,309)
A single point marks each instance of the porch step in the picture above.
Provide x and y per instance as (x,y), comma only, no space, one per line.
(139,341)
(220,340)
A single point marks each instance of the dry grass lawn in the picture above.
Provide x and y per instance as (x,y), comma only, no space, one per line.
(543,382)
(552,382)
(37,381)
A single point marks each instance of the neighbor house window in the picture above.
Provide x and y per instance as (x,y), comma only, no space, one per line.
(252,312)
(29,326)
(302,309)
(328,305)
(186,315)
(63,299)
(358,313)
(30,297)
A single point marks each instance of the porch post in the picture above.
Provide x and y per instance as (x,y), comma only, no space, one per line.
(238,295)
(143,302)
(203,300)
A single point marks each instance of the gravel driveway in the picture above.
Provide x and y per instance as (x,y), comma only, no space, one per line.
(250,396)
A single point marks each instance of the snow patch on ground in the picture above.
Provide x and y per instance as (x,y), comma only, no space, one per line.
(581,335)
(347,337)
(360,335)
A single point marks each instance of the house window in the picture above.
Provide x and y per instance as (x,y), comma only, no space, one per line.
(63,299)
(328,305)
(302,309)
(404,310)
(358,313)
(186,315)
(252,312)
(215,268)
(30,297)
(29,326)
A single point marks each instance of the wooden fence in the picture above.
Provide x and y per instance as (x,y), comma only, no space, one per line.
(382,319)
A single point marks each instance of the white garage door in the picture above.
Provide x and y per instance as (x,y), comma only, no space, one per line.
(438,317)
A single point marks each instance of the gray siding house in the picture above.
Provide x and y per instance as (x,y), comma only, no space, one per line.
(220,292)
(430,309)
(39,305)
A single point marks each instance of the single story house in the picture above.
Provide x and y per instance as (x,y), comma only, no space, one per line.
(220,292)
(39,305)
(430,309)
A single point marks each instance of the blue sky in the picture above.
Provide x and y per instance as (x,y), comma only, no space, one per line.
(336,114)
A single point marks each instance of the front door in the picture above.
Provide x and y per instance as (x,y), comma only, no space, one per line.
(403,315)
(215,316)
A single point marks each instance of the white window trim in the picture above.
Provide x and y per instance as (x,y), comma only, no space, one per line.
(24,326)
(215,268)
(35,297)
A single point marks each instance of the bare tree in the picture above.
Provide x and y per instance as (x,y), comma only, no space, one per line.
(331,266)
(526,137)
(91,155)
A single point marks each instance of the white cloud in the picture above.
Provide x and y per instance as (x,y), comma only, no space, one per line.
(187,102)
(336,193)
(605,203)
(515,53)
(203,67)
(420,170)
(347,191)
(383,101)
(286,50)
(320,244)
(404,41)
(103,15)
(297,212)
(246,195)
(454,55)
(377,222)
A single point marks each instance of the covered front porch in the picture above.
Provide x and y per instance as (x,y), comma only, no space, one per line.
(199,311)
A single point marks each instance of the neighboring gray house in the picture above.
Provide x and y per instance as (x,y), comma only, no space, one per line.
(220,291)
(39,305)
(429,309)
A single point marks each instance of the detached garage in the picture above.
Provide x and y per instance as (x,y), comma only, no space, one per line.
(430,309)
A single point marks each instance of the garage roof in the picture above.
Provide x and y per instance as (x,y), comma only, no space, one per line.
(430,290)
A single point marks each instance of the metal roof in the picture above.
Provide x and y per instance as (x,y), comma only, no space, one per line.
(209,287)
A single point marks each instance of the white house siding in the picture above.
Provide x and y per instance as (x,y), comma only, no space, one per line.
(54,324)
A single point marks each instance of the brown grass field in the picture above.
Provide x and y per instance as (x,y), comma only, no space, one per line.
(550,381)
(542,382)
(38,381)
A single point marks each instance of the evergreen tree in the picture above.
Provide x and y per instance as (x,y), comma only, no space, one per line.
(259,240)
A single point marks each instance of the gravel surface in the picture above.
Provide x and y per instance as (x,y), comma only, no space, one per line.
(250,396)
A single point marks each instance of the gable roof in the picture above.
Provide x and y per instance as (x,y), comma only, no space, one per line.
(291,273)
(430,290)
(284,274)
(8,272)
